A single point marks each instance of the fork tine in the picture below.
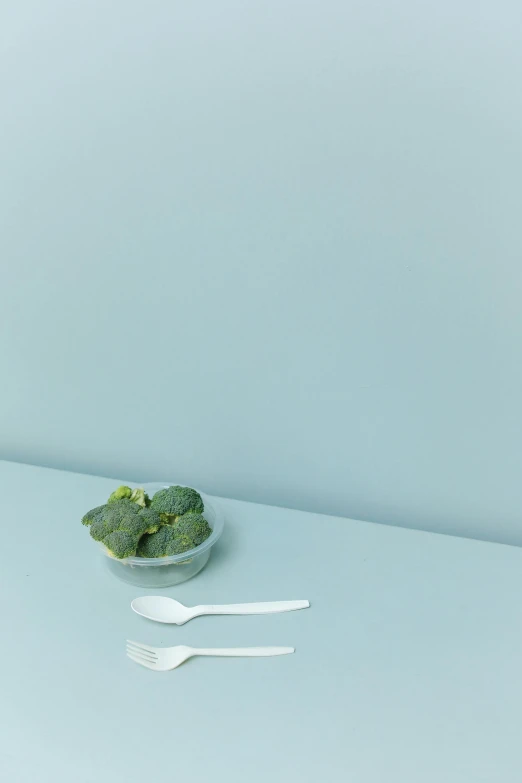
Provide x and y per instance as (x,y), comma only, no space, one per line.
(141,651)
(150,650)
(141,661)
(146,658)
(140,658)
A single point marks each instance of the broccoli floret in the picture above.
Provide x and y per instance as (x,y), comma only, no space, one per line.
(138,496)
(92,515)
(111,517)
(183,544)
(195,526)
(121,544)
(167,541)
(120,493)
(150,514)
(121,525)
(173,502)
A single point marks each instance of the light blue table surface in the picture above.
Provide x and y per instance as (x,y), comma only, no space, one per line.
(407,666)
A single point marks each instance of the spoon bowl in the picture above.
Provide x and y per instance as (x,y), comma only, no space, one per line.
(161,609)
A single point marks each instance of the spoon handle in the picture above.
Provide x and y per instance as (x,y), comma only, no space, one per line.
(268,607)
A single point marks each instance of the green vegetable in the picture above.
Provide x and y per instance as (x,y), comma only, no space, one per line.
(138,496)
(149,513)
(175,501)
(195,526)
(130,523)
(120,493)
(92,515)
(120,524)
(167,541)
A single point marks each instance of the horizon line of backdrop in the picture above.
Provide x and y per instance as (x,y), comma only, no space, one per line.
(270,249)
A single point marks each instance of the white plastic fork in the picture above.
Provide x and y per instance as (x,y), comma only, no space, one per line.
(163,659)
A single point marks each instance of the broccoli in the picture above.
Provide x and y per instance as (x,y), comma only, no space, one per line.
(149,513)
(173,502)
(92,515)
(194,526)
(120,493)
(131,523)
(167,541)
(120,524)
(110,516)
(121,544)
(138,496)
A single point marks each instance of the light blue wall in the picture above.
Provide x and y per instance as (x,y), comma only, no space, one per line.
(269,248)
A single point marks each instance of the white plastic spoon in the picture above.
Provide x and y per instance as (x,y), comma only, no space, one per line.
(167,610)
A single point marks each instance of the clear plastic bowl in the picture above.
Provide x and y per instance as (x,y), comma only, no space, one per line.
(168,571)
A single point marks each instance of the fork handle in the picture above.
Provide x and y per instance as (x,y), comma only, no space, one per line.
(267,607)
(247,652)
